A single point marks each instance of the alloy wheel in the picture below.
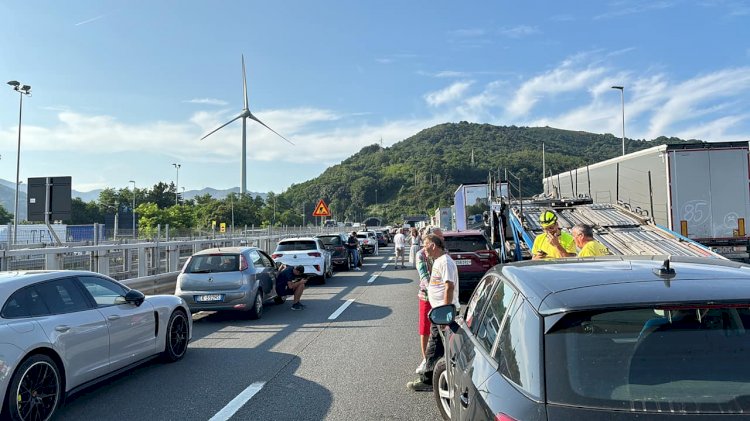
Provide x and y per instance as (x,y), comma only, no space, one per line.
(38,391)
(178,335)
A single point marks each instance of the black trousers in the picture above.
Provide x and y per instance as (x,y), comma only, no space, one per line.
(435,351)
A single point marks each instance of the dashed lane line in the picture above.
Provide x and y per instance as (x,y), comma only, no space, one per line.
(235,404)
(372,279)
(340,310)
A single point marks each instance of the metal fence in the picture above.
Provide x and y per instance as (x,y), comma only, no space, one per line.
(127,259)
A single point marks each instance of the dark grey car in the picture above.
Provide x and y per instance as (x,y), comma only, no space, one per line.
(619,338)
(232,278)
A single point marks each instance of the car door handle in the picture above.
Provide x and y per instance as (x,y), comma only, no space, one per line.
(113,317)
(62,328)
(465,399)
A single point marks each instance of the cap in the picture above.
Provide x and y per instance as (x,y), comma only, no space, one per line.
(547,219)
(299,268)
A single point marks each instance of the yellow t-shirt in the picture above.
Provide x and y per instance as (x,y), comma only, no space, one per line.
(541,243)
(593,248)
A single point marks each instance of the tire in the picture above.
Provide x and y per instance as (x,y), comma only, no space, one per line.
(329,274)
(39,376)
(256,312)
(348,264)
(441,389)
(176,338)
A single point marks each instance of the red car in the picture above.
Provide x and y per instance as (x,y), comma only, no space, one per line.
(474,256)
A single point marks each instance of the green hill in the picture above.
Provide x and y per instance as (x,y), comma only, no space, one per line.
(419,174)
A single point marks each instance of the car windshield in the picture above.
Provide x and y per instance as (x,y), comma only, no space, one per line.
(685,360)
(333,240)
(210,263)
(465,243)
(296,245)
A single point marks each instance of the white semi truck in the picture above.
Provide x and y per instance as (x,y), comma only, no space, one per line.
(698,190)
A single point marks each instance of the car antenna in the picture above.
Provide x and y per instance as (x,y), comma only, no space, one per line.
(665,272)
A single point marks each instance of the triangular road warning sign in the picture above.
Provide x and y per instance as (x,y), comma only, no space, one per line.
(321,209)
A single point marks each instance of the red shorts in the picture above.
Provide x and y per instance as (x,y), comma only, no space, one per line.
(424,321)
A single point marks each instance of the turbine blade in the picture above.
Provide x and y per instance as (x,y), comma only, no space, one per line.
(250,115)
(222,126)
(244,80)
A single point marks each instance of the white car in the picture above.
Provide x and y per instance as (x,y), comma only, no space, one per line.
(308,252)
(369,241)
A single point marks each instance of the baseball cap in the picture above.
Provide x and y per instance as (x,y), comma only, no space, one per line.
(299,268)
(547,219)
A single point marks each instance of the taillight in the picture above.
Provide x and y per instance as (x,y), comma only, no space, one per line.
(503,417)
(276,256)
(317,267)
(314,254)
(243,263)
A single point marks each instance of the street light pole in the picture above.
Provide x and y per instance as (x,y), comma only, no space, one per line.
(177,185)
(133,210)
(622,100)
(22,90)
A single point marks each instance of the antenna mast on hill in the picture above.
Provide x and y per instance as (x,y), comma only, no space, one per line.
(472,157)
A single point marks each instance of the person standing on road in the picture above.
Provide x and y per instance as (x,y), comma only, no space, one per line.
(353,245)
(584,237)
(553,242)
(442,289)
(289,281)
(424,268)
(414,245)
(399,244)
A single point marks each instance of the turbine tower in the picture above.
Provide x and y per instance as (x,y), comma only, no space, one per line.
(244,115)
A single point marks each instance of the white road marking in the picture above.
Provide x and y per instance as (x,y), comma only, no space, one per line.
(372,279)
(341,309)
(235,404)
(385,265)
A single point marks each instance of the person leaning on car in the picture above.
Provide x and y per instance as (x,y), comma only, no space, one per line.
(353,245)
(289,281)
(553,242)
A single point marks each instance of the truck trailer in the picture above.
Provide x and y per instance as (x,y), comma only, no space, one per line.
(698,190)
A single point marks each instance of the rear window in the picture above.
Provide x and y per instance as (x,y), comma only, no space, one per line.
(466,243)
(211,263)
(331,240)
(684,360)
(296,245)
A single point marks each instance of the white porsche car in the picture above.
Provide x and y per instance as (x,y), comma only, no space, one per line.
(61,331)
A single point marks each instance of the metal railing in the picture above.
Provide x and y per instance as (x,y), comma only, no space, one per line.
(150,266)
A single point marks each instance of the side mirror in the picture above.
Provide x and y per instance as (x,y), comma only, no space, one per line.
(443,315)
(134,297)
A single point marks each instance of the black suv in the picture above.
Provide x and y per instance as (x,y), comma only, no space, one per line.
(336,244)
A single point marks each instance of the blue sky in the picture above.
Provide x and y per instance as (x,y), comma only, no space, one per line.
(121,90)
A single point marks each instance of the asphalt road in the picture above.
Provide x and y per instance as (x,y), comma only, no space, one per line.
(290,365)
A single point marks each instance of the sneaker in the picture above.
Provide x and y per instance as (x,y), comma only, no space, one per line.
(297,306)
(357,269)
(421,367)
(419,386)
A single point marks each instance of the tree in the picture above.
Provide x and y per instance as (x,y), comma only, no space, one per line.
(5,216)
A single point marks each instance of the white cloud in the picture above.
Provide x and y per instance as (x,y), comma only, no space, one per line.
(206,101)
(450,94)
(519,31)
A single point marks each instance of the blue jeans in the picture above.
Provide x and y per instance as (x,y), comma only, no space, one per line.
(355,257)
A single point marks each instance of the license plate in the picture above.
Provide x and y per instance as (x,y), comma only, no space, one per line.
(208,298)
(463,262)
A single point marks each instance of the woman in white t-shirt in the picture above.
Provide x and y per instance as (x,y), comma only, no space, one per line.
(415,243)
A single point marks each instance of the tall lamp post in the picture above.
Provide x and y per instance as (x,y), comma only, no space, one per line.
(177,185)
(622,100)
(133,210)
(22,90)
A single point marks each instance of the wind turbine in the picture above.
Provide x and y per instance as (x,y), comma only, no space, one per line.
(244,115)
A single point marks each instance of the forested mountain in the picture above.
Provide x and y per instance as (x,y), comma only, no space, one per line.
(421,173)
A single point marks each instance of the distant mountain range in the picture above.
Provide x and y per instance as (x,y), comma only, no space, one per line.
(8,193)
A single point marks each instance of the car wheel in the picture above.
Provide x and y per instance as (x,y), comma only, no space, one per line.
(329,274)
(441,389)
(176,337)
(256,312)
(348,263)
(35,391)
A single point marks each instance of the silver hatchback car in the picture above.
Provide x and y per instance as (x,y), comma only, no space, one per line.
(231,278)
(61,331)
